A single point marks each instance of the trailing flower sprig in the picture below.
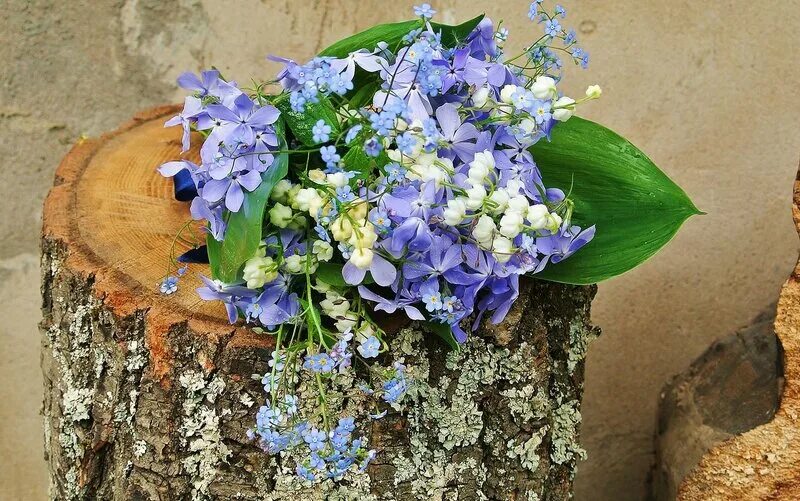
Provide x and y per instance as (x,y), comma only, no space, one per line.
(396,178)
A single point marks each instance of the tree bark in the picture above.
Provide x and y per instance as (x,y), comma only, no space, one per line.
(149,397)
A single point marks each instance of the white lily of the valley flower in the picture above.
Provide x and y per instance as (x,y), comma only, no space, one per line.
(507,92)
(537,216)
(502,248)
(280,215)
(544,88)
(484,231)
(337,179)
(564,107)
(323,250)
(593,91)
(480,97)
(294,264)
(475,196)
(280,191)
(511,224)
(455,211)
(362,258)
(259,271)
(500,198)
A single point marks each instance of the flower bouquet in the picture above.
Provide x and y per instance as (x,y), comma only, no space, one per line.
(414,170)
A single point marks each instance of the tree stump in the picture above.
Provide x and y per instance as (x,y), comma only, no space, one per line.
(148,397)
(763,463)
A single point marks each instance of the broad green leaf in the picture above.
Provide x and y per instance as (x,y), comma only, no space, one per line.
(445,332)
(393,33)
(301,124)
(636,208)
(243,234)
(331,274)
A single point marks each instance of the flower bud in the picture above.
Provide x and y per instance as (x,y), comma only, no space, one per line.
(259,271)
(518,204)
(475,196)
(358,209)
(455,211)
(593,91)
(511,224)
(280,215)
(337,179)
(537,216)
(480,97)
(294,264)
(304,199)
(485,229)
(341,229)
(544,88)
(507,92)
(316,175)
(364,236)
(280,191)
(500,198)
(502,248)
(362,258)
(323,250)
(553,222)
(564,107)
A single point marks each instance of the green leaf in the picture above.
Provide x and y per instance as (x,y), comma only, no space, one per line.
(445,332)
(301,124)
(331,274)
(393,33)
(243,234)
(636,208)
(357,160)
(453,35)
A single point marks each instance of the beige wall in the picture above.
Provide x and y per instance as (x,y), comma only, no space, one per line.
(705,88)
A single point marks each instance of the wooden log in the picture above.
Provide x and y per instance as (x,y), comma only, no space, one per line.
(763,463)
(148,397)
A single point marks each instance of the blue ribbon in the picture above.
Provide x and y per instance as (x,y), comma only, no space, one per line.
(185,190)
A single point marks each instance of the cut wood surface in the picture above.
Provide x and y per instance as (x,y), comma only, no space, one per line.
(149,396)
(763,463)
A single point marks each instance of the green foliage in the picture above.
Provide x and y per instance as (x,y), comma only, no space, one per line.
(301,124)
(243,234)
(393,33)
(637,209)
(444,332)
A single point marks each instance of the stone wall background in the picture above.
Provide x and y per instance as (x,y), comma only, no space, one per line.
(706,89)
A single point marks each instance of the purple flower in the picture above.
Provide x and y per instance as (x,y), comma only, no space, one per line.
(231,188)
(192,107)
(403,301)
(201,210)
(558,247)
(441,257)
(382,271)
(215,290)
(238,123)
(412,233)
(460,136)
(209,84)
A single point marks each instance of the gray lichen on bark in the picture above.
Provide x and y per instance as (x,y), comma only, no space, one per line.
(497,420)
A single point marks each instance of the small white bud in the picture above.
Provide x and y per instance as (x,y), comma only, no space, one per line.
(475,196)
(323,250)
(280,191)
(455,211)
(259,271)
(499,197)
(537,216)
(564,107)
(280,215)
(544,88)
(480,97)
(511,224)
(506,92)
(485,229)
(593,91)
(362,258)
(294,264)
(337,179)
(502,248)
